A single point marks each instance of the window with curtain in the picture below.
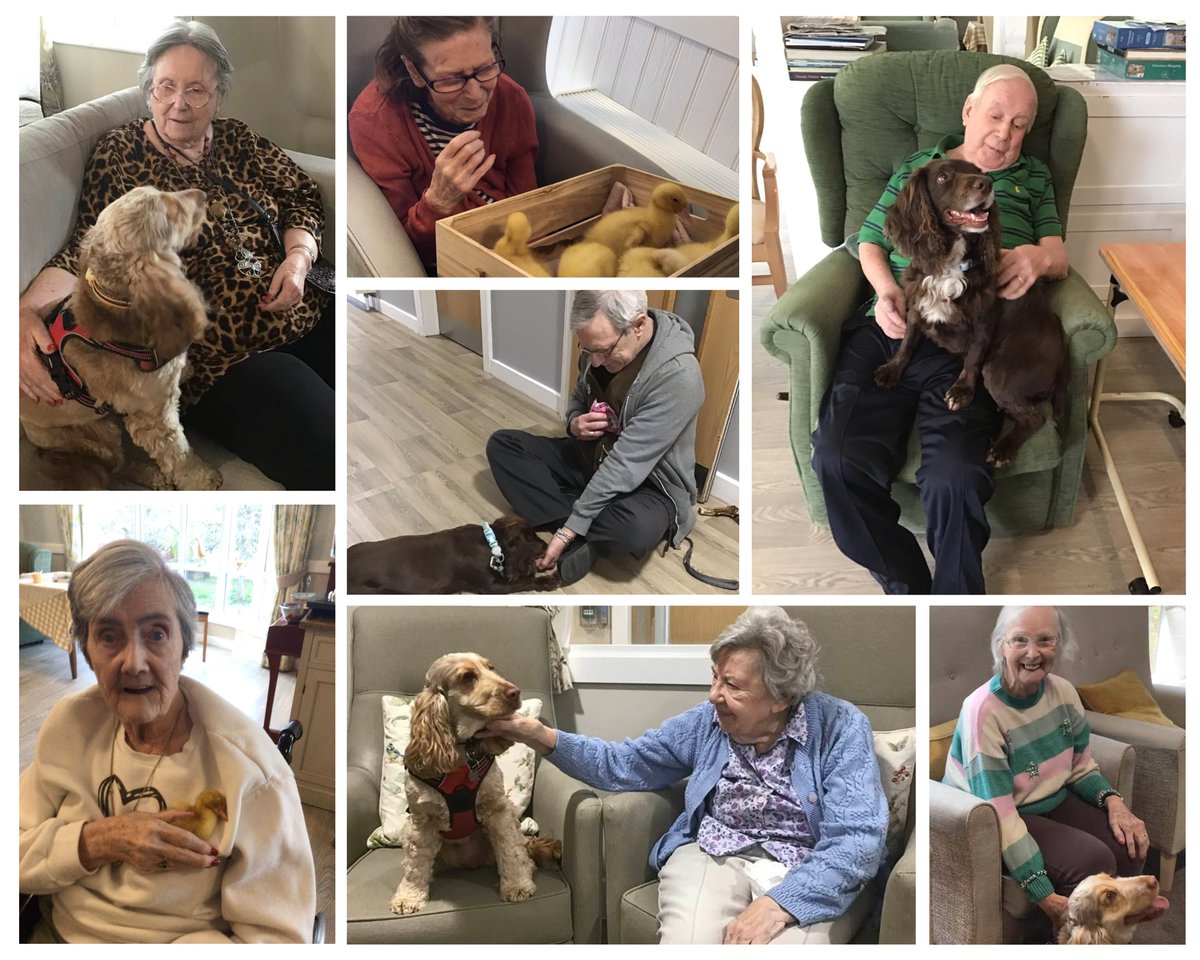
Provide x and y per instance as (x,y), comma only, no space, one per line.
(223,551)
(128,32)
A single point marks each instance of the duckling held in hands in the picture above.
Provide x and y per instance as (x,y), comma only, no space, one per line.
(694,251)
(587,259)
(649,226)
(208,809)
(514,245)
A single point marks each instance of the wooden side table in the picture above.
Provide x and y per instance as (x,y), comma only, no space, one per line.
(1153,276)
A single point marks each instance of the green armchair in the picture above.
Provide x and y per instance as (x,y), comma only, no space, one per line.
(857,129)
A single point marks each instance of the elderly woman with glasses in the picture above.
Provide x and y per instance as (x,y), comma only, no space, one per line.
(784,817)
(441,129)
(1022,744)
(270,344)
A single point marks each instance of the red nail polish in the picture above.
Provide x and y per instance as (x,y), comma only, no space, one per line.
(215,862)
(212,851)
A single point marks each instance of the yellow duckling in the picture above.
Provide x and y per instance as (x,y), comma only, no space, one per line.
(651,262)
(208,809)
(694,251)
(649,226)
(514,246)
(587,259)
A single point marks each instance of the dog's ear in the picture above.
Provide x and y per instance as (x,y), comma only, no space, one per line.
(912,223)
(495,745)
(1085,918)
(168,305)
(992,249)
(432,749)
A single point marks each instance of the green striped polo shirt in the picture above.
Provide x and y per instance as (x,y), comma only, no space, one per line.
(1023,190)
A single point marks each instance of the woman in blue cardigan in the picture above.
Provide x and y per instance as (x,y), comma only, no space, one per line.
(784,817)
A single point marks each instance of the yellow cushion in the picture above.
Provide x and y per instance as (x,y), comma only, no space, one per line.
(939,747)
(1123,696)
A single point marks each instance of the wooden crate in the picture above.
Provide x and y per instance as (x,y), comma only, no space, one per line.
(562,212)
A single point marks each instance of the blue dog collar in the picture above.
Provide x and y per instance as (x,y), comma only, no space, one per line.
(497,560)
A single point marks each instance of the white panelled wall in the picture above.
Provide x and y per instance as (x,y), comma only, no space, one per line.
(654,81)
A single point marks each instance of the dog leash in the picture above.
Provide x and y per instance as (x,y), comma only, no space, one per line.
(705,577)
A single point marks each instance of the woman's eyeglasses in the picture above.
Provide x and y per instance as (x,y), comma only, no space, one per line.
(601,356)
(1042,643)
(454,84)
(166,92)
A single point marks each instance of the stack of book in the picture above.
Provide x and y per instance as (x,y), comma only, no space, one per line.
(1136,50)
(818,47)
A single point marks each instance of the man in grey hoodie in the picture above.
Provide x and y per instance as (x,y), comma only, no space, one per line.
(626,472)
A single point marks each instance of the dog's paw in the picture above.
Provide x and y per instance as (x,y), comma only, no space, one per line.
(407,903)
(1000,455)
(960,396)
(517,890)
(887,376)
(198,475)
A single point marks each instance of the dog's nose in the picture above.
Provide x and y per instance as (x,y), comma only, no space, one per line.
(513,694)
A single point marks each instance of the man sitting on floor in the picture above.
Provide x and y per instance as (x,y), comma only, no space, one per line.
(626,473)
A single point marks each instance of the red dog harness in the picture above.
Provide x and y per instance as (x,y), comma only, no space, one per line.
(61,326)
(459,787)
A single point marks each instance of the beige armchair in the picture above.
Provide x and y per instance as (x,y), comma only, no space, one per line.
(970,899)
(390,650)
(873,671)
(54,154)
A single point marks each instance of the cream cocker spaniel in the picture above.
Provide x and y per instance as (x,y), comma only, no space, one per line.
(122,340)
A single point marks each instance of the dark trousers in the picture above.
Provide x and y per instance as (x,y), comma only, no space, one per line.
(1076,842)
(861,443)
(542,477)
(275,410)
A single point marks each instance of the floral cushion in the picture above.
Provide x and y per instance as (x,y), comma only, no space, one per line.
(515,765)
(896,753)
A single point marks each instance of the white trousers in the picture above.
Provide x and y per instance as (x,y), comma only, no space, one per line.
(699,894)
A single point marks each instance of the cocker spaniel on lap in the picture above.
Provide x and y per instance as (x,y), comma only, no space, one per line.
(459,815)
(122,340)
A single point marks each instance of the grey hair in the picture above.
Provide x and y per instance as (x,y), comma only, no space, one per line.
(788,650)
(193,33)
(104,580)
(1068,647)
(998,73)
(620,307)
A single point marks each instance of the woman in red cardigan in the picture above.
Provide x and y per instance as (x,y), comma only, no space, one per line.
(441,129)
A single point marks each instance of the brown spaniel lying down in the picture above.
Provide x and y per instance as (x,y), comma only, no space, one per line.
(1106,909)
(947,221)
(140,314)
(458,560)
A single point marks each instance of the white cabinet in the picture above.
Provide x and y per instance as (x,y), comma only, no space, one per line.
(1130,187)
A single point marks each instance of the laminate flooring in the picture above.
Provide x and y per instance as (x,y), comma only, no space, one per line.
(238,676)
(790,554)
(419,412)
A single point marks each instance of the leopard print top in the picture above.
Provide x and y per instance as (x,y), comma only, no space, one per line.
(125,158)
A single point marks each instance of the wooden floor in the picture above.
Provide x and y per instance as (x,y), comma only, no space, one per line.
(420,410)
(237,676)
(1094,556)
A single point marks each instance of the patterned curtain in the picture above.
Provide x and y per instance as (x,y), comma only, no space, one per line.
(560,646)
(70,522)
(293,530)
(52,94)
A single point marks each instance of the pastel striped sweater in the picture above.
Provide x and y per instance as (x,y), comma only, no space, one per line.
(1020,754)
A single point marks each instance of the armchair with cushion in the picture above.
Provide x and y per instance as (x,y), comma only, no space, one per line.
(568,145)
(970,898)
(54,155)
(390,650)
(882,685)
(857,130)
